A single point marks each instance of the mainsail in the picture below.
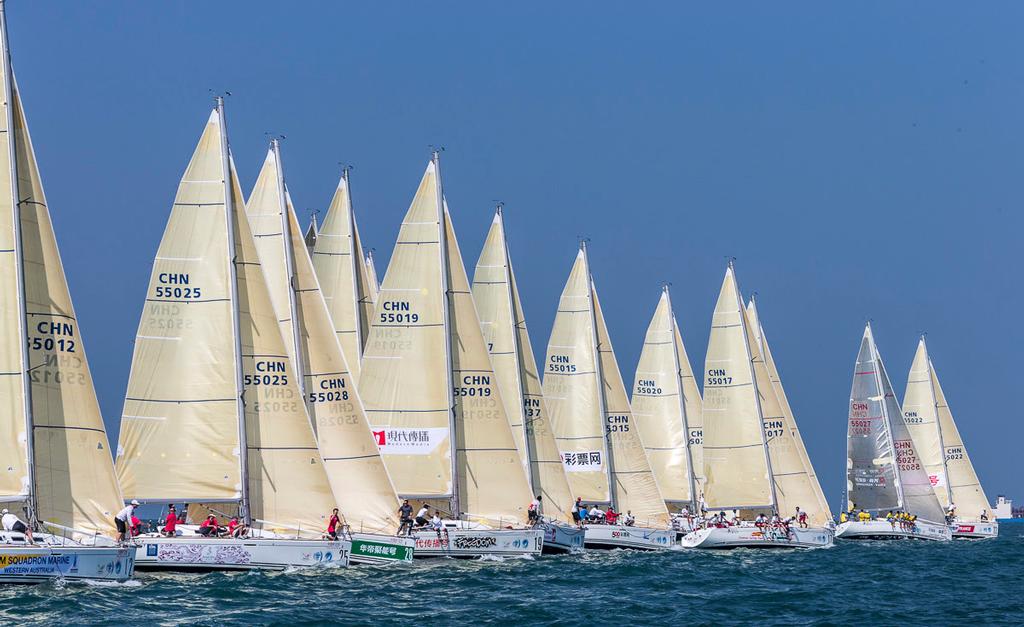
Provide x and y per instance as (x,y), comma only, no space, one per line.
(341,269)
(504,328)
(884,471)
(937,439)
(668,409)
(54,449)
(427,378)
(213,411)
(590,413)
(355,469)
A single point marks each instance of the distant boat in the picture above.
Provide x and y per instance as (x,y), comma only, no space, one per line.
(358,478)
(433,398)
(496,294)
(752,460)
(601,449)
(344,278)
(57,470)
(883,469)
(213,414)
(943,454)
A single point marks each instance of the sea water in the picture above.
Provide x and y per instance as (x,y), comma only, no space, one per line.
(853,583)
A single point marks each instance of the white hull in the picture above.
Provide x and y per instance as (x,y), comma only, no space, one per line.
(371,548)
(561,538)
(975,530)
(38,563)
(478,542)
(623,537)
(203,554)
(752,537)
(883,530)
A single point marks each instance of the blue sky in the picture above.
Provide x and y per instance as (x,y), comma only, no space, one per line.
(860,162)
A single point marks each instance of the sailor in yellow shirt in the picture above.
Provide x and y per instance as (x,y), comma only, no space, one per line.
(863,516)
(843,517)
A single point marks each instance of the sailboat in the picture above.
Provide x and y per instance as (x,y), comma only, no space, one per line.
(340,268)
(56,471)
(432,396)
(883,469)
(751,459)
(358,478)
(593,423)
(504,326)
(943,454)
(668,411)
(213,414)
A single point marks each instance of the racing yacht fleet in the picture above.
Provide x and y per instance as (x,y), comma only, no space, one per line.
(275,381)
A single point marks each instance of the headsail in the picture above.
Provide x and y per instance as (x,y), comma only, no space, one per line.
(341,270)
(504,326)
(359,481)
(56,457)
(668,409)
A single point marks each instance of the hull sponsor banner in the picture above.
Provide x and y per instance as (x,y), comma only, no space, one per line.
(380,550)
(582,461)
(401,441)
(107,565)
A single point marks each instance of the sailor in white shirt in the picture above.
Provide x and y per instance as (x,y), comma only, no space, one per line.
(596,513)
(123,520)
(421,516)
(11,522)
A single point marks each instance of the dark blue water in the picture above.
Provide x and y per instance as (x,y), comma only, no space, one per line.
(856,584)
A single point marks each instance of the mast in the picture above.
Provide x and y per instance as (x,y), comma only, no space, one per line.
(599,372)
(19,260)
(446,314)
(682,402)
(517,350)
(289,252)
(757,392)
(938,425)
(355,267)
(888,424)
(229,210)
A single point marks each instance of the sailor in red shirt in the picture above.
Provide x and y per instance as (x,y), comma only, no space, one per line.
(209,527)
(611,516)
(236,528)
(171,523)
(332,526)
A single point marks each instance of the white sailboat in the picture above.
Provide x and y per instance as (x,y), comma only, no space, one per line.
(943,454)
(360,482)
(668,411)
(56,473)
(883,469)
(593,423)
(344,280)
(213,413)
(751,459)
(504,326)
(432,396)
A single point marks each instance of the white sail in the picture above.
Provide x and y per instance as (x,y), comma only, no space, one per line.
(371,273)
(311,233)
(504,327)
(340,268)
(210,373)
(667,408)
(358,479)
(735,451)
(54,448)
(814,503)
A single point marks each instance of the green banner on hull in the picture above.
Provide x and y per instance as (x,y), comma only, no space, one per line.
(381,550)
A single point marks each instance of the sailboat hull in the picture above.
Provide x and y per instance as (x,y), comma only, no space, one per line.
(623,537)
(371,548)
(752,537)
(184,553)
(469,543)
(21,563)
(559,538)
(975,530)
(884,530)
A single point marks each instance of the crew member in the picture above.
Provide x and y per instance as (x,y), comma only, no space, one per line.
(405,517)
(170,523)
(533,512)
(11,522)
(332,525)
(123,520)
(209,527)
(421,516)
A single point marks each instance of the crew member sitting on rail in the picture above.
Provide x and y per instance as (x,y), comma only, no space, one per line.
(209,527)
(11,522)
(629,521)
(611,516)
(236,528)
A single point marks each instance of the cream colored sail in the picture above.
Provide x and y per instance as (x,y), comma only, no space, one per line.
(493,483)
(71,481)
(341,270)
(920,414)
(371,274)
(358,479)
(667,408)
(571,390)
(735,455)
(817,508)
(504,327)
(180,436)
